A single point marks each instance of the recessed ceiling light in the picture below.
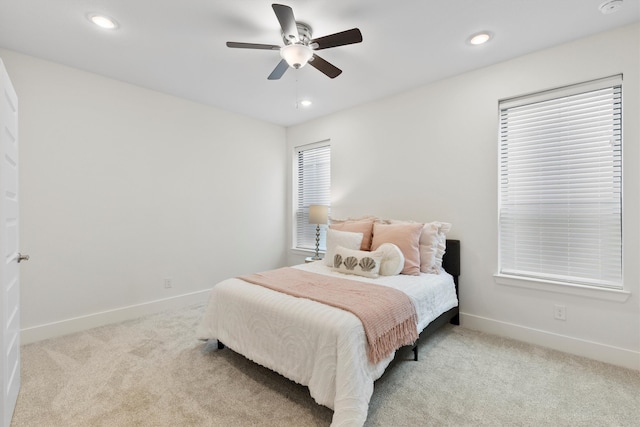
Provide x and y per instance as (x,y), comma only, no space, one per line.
(103,21)
(480,38)
(306,103)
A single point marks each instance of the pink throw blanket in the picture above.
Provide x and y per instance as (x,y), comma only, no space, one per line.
(388,316)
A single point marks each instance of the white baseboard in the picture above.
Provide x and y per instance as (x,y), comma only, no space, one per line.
(597,351)
(592,350)
(77,324)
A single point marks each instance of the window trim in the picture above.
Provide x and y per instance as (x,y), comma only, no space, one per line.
(607,294)
(559,92)
(619,294)
(294,194)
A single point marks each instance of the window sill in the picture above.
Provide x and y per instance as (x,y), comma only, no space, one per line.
(616,295)
(305,252)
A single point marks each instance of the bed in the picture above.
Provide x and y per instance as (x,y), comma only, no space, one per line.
(320,346)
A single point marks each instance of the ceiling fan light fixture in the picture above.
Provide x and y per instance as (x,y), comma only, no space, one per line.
(299,47)
(296,55)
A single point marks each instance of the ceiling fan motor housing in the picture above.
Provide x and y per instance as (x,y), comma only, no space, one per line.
(304,34)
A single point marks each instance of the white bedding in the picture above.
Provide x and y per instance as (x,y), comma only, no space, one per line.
(321,347)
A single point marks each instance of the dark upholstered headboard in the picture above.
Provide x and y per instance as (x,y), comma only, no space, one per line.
(451,259)
(451,264)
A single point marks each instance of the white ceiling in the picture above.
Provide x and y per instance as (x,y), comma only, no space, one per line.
(178,46)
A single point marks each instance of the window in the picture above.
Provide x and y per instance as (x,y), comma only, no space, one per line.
(313,187)
(560,201)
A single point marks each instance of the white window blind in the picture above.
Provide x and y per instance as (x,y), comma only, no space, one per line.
(560,202)
(313,188)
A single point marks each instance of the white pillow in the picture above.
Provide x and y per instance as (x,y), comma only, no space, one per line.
(392,259)
(346,239)
(433,243)
(361,263)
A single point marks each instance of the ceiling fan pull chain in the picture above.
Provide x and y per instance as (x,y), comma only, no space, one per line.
(297,95)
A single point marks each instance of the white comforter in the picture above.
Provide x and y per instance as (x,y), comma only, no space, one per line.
(321,347)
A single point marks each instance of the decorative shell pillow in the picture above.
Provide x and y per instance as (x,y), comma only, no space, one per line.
(361,263)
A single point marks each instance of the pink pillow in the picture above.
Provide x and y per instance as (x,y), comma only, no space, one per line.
(406,236)
(364,226)
(433,243)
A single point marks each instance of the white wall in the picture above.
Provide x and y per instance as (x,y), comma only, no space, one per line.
(431,154)
(122,187)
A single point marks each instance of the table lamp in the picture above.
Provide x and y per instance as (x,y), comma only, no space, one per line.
(318,214)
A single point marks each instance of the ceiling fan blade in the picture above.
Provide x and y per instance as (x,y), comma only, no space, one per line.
(325,67)
(287,22)
(253,46)
(279,70)
(338,39)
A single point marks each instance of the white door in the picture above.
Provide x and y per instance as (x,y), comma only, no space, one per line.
(9,256)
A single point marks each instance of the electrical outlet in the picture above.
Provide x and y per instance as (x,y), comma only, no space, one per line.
(560,312)
(168,283)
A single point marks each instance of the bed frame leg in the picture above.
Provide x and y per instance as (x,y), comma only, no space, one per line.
(455,320)
(220,345)
(415,352)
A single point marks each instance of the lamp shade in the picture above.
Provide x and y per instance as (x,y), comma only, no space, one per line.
(296,55)
(318,214)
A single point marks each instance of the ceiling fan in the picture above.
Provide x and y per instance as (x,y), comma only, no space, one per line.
(299,47)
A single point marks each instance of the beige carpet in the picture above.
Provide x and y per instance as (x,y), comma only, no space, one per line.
(152,372)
